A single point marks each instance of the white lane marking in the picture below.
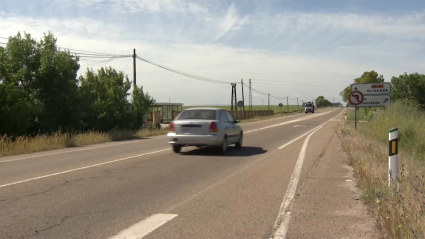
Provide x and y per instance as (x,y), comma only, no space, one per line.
(143,228)
(284,215)
(290,142)
(78,150)
(81,168)
(138,141)
(291,121)
(100,164)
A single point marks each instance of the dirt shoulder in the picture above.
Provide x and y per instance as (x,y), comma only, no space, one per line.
(328,203)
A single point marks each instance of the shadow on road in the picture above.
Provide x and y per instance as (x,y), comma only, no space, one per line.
(231,152)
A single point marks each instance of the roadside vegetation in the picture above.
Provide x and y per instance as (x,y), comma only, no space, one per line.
(57,140)
(276,109)
(400,209)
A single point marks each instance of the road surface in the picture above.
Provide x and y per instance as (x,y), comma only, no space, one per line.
(141,189)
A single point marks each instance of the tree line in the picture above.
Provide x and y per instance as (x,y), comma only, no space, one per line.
(41,93)
(409,87)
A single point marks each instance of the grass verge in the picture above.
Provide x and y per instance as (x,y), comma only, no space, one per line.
(38,143)
(401,209)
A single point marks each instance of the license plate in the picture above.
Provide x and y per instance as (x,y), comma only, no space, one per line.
(191,130)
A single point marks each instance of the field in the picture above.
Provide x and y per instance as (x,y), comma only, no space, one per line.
(401,209)
(276,109)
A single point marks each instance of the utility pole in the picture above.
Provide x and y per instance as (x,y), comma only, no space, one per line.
(243,96)
(287,103)
(134,70)
(268,107)
(231,101)
(298,105)
(234,99)
(250,96)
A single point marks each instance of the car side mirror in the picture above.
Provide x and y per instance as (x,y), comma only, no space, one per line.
(236,121)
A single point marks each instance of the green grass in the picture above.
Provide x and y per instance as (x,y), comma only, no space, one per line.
(401,209)
(362,115)
(276,109)
(410,122)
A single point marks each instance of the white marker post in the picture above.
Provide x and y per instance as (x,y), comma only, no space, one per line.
(393,156)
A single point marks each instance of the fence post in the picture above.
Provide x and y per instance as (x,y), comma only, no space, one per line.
(393,156)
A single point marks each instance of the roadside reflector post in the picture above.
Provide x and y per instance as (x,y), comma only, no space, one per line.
(393,157)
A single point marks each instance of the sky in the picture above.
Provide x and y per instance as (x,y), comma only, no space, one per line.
(289,48)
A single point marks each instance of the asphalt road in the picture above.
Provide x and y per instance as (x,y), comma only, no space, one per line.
(141,187)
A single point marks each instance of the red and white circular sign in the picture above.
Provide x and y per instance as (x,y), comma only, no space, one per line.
(356,97)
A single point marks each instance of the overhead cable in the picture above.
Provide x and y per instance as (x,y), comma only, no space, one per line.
(200,78)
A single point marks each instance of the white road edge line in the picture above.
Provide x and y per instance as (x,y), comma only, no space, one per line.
(290,142)
(104,163)
(145,227)
(81,168)
(284,215)
(123,143)
(282,221)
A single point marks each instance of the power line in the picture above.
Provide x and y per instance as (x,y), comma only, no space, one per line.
(257,59)
(184,73)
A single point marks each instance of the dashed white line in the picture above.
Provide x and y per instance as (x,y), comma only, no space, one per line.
(290,142)
(145,227)
(81,168)
(289,122)
(282,220)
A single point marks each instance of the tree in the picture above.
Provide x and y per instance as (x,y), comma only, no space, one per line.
(142,105)
(38,86)
(409,87)
(367,77)
(322,102)
(104,96)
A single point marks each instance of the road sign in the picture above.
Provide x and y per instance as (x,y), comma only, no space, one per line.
(375,101)
(355,98)
(280,105)
(240,104)
(372,88)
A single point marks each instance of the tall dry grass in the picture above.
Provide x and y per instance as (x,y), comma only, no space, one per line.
(401,209)
(58,140)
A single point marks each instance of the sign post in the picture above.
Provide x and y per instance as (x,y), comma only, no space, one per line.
(280,106)
(355,98)
(369,95)
(393,156)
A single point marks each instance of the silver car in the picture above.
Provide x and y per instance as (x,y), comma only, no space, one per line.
(204,127)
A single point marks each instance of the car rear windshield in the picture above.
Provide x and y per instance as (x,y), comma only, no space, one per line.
(198,114)
(308,105)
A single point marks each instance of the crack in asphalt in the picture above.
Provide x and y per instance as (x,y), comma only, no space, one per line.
(15,199)
(62,220)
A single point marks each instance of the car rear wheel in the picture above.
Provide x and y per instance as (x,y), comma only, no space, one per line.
(238,145)
(223,147)
(177,148)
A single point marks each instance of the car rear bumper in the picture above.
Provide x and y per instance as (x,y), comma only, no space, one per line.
(193,140)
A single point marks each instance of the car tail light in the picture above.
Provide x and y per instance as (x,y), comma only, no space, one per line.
(171,128)
(213,127)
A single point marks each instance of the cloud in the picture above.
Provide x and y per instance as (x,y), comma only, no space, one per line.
(152,6)
(284,54)
(231,21)
(409,25)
